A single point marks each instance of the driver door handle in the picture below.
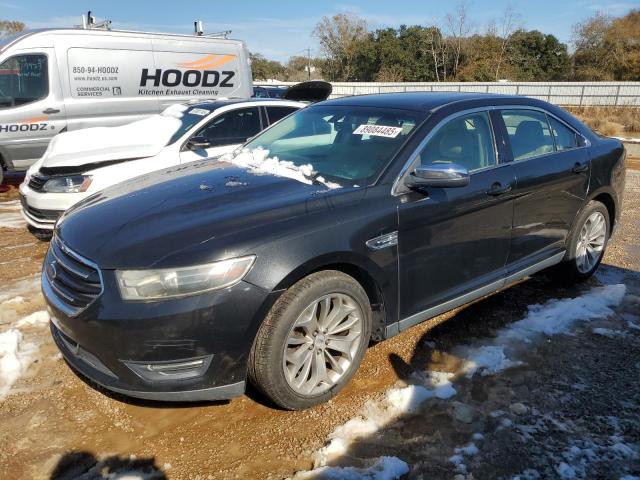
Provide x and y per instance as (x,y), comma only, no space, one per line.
(498,189)
(49,111)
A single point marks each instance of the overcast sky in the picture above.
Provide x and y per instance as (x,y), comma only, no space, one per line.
(281,29)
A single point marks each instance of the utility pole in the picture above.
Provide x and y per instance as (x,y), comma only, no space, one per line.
(309,63)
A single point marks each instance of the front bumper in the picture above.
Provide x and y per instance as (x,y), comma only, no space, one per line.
(103,341)
(41,210)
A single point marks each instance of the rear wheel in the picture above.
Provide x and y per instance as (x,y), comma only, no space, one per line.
(312,341)
(586,244)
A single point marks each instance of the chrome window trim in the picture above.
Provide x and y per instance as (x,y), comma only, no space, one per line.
(587,143)
(487,108)
(434,130)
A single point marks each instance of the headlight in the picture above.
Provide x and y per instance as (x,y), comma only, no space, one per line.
(68,184)
(178,282)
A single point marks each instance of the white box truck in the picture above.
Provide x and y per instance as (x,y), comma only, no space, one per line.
(53,80)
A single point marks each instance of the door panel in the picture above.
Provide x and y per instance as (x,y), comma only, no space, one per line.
(550,190)
(32,108)
(454,240)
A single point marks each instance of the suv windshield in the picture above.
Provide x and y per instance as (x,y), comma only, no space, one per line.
(188,116)
(342,143)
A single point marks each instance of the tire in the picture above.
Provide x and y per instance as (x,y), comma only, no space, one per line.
(573,268)
(40,234)
(285,340)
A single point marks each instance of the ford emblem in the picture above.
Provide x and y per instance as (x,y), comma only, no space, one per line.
(51,270)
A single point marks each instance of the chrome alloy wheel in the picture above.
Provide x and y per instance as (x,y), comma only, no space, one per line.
(590,243)
(322,344)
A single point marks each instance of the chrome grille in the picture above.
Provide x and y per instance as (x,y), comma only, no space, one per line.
(73,280)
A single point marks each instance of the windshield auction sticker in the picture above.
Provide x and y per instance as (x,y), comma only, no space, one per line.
(378,131)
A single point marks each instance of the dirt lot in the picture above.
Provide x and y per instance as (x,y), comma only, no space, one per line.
(437,401)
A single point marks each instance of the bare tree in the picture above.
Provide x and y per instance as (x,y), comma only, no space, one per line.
(8,27)
(459,27)
(338,38)
(439,51)
(509,23)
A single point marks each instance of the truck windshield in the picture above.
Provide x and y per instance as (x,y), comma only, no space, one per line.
(345,144)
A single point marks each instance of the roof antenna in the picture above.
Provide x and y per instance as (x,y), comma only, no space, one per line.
(198,28)
(89,21)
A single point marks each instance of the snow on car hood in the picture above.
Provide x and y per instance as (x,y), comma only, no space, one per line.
(258,162)
(143,138)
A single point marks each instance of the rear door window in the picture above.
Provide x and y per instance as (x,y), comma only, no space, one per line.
(23,79)
(565,138)
(232,127)
(276,113)
(529,133)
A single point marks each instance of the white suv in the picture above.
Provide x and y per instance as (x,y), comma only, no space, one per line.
(82,162)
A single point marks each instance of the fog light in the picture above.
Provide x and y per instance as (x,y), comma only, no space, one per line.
(182,369)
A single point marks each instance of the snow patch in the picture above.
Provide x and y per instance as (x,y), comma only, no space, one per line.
(36,318)
(10,216)
(384,468)
(258,162)
(15,357)
(377,414)
(551,318)
(458,459)
(607,332)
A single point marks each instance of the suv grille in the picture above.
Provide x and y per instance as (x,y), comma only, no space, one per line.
(73,280)
(37,181)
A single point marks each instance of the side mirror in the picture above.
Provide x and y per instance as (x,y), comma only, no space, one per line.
(198,142)
(438,175)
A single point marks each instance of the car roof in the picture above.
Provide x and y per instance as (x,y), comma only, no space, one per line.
(417,101)
(214,104)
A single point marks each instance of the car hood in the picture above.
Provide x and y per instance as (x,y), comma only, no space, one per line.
(144,138)
(184,215)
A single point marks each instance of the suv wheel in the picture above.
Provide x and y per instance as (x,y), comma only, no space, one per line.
(313,340)
(586,244)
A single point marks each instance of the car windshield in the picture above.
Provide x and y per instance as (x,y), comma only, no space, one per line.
(188,116)
(345,144)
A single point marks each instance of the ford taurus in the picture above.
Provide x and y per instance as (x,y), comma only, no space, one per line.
(345,223)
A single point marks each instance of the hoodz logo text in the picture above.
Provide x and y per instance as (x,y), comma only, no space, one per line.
(29,125)
(198,73)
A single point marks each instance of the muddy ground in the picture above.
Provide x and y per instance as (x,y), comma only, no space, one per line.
(571,409)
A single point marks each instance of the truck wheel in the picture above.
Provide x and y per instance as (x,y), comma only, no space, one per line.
(586,244)
(312,341)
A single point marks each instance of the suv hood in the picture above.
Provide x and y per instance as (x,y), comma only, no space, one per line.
(144,138)
(173,217)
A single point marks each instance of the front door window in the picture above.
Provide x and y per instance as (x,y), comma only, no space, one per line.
(23,79)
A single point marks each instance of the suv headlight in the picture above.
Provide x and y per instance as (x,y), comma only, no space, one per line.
(179,282)
(68,184)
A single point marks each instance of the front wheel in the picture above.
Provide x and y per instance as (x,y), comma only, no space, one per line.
(586,244)
(313,340)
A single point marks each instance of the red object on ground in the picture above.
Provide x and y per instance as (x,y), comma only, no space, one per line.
(11,179)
